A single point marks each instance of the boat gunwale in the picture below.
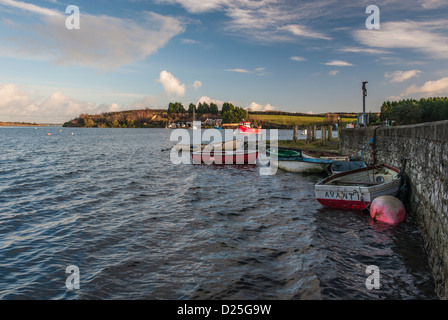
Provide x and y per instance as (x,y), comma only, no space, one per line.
(223,152)
(368,168)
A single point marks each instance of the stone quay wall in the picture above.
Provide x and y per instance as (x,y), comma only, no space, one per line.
(425,146)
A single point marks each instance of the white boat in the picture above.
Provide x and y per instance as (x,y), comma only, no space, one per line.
(320,155)
(293,161)
(223,157)
(218,146)
(356,189)
(300,164)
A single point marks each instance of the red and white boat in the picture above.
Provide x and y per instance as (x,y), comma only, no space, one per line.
(245,127)
(225,157)
(357,188)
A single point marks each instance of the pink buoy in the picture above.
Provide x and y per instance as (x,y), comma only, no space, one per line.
(387,209)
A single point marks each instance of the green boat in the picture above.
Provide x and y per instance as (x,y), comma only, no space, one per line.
(283,153)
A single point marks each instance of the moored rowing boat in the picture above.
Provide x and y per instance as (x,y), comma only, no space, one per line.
(225,157)
(293,161)
(356,189)
(219,146)
(303,165)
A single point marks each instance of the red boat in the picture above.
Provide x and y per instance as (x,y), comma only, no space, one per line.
(224,157)
(246,127)
(356,189)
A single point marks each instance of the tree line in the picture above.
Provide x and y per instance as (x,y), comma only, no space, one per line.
(229,112)
(158,118)
(411,111)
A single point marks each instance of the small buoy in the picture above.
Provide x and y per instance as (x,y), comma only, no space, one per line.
(48,134)
(72,133)
(387,209)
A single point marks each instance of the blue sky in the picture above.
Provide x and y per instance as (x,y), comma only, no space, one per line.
(295,56)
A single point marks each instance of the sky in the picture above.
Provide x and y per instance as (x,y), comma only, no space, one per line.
(284,55)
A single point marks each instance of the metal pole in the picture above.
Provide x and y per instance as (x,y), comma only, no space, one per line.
(364,94)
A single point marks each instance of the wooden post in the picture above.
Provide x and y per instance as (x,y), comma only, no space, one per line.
(323,131)
(330,132)
(308,134)
(339,135)
(313,135)
(295,133)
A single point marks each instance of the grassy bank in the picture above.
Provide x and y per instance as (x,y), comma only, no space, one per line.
(289,121)
(17,124)
(316,146)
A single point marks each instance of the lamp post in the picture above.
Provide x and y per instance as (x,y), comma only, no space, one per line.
(364,94)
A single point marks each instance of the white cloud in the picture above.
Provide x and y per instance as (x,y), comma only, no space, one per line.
(239,70)
(400,76)
(259,107)
(333,72)
(20,104)
(302,31)
(432,4)
(146,102)
(296,58)
(171,84)
(209,100)
(189,42)
(103,42)
(263,20)
(427,37)
(198,6)
(364,50)
(430,88)
(338,63)
(197,84)
(30,7)
(257,71)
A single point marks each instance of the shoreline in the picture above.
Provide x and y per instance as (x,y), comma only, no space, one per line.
(25,124)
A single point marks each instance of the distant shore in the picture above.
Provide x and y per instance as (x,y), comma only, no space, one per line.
(25,124)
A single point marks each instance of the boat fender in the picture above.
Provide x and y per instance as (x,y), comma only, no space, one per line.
(387,209)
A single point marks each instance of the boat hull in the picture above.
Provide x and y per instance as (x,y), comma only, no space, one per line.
(219,146)
(225,157)
(246,130)
(359,196)
(310,155)
(300,166)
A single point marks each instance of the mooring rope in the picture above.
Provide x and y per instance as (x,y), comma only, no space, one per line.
(369,144)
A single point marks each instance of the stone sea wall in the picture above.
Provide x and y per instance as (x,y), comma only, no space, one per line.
(425,148)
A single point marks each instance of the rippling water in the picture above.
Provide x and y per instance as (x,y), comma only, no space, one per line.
(110,202)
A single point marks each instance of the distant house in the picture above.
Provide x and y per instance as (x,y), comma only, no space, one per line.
(213,122)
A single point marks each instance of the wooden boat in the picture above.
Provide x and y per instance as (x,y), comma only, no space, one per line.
(357,188)
(342,166)
(225,157)
(322,155)
(300,164)
(226,145)
(293,161)
(245,127)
